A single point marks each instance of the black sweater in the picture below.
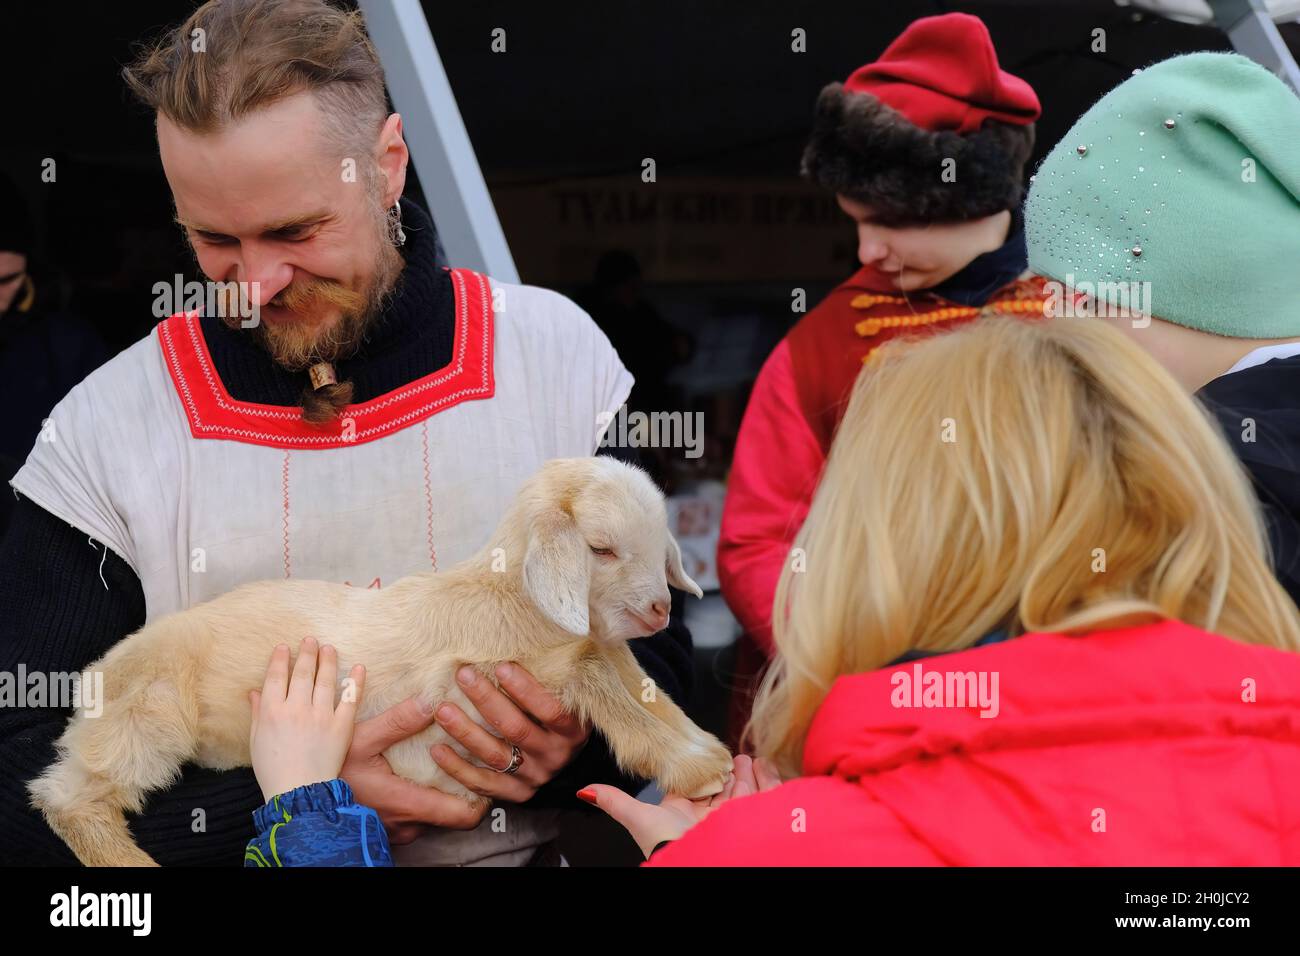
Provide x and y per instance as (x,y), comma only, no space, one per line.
(65,600)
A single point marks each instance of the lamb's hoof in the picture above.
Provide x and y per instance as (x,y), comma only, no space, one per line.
(708,790)
(702,771)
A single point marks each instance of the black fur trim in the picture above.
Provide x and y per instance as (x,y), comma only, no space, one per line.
(870,152)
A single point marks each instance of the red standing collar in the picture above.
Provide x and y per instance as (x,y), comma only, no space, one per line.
(213,413)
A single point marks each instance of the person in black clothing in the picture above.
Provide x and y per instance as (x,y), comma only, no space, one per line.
(651,346)
(44,351)
(356,313)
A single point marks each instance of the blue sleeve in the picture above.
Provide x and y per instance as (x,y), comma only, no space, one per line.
(319,824)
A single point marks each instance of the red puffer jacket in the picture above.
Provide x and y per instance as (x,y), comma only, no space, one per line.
(1157,745)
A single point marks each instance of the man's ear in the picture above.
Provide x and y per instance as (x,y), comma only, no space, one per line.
(392,156)
(677,576)
(557,571)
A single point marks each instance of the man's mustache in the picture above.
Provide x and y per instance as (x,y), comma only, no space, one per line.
(301,296)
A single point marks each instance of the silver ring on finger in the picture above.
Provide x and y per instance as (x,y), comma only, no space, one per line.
(516,760)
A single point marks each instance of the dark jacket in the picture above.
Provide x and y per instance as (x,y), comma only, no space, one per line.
(1259,410)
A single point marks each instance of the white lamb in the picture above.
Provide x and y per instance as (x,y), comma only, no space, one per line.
(580,563)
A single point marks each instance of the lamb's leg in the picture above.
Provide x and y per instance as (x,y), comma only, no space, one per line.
(107,764)
(648,734)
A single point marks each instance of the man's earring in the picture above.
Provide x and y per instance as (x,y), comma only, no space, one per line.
(397,216)
(29,294)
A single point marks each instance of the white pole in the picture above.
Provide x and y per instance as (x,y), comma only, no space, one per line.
(435,133)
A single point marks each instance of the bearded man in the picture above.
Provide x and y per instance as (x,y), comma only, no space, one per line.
(373,422)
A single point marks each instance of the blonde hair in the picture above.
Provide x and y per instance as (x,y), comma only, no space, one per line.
(257,52)
(1033,476)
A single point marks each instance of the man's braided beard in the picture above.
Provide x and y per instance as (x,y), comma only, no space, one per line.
(299,345)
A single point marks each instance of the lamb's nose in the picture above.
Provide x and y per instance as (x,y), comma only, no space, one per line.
(659,614)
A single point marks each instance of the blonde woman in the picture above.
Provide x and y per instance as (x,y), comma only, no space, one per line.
(1032,623)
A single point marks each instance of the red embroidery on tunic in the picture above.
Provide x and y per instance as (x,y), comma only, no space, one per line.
(213,413)
(285,486)
(428,492)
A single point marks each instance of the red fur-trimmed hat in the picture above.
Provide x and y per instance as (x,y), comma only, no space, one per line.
(936,93)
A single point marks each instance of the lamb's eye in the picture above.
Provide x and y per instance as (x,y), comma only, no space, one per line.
(603,552)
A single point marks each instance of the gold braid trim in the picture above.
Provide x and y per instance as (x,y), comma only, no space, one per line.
(1023,302)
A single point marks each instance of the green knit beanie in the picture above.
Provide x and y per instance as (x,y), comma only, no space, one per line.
(1187,177)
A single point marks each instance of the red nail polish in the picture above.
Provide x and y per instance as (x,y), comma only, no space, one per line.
(586,793)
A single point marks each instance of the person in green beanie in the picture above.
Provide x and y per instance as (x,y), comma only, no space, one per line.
(1172,209)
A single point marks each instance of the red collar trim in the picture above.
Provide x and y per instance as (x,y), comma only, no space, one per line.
(212,413)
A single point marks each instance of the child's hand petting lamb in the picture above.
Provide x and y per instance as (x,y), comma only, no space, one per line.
(298,741)
(298,735)
(580,563)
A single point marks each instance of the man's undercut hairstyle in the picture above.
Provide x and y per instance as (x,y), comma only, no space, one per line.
(231,58)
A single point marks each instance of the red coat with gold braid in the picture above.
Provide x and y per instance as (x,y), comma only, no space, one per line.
(796,405)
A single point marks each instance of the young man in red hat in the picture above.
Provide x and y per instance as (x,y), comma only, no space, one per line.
(925,151)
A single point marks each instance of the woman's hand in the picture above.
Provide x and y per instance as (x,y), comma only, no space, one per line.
(298,735)
(651,824)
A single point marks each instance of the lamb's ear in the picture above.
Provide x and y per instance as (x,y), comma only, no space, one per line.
(677,575)
(557,572)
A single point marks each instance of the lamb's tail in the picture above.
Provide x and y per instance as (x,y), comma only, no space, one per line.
(148,728)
